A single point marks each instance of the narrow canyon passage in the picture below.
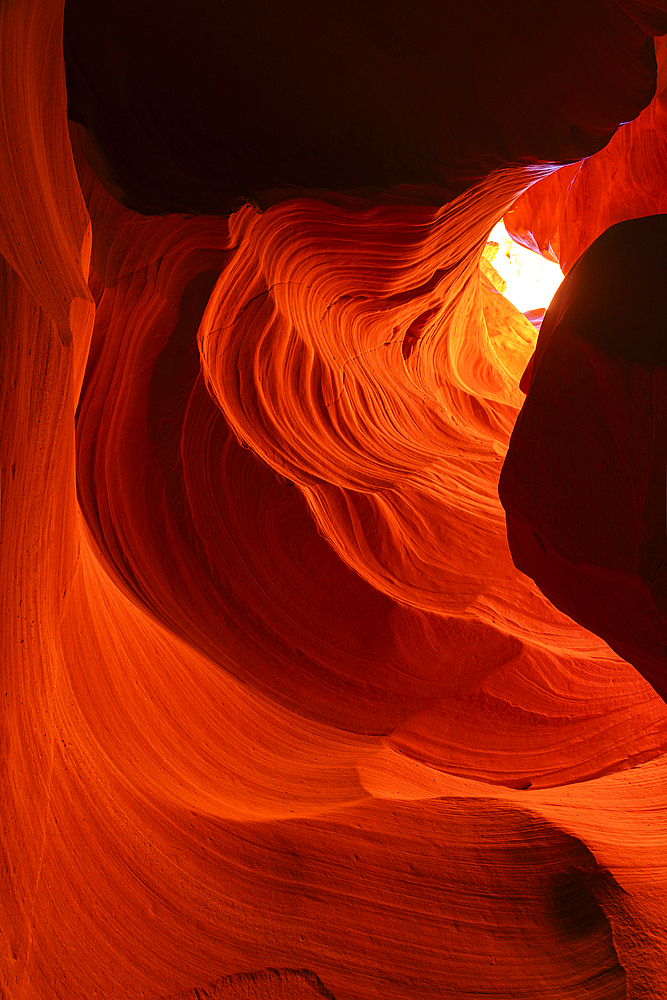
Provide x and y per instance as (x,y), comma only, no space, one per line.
(334,593)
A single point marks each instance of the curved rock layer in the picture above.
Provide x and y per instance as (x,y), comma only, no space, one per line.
(281,716)
(562,214)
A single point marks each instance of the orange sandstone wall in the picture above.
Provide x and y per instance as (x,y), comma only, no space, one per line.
(281,717)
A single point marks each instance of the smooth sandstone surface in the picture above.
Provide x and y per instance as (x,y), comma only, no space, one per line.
(281,716)
(601,509)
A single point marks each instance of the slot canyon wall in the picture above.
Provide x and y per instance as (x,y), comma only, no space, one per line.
(334,598)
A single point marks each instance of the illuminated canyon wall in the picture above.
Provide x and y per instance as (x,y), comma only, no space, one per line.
(294,707)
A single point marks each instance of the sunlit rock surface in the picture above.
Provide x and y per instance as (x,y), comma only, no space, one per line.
(282,719)
(561,215)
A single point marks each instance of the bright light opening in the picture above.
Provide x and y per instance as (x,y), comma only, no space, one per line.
(531,280)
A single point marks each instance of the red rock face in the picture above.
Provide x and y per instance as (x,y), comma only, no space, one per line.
(286,715)
(589,524)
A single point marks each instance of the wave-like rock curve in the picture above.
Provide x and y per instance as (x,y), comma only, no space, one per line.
(281,716)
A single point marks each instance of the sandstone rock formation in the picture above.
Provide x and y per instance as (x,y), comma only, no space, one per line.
(282,717)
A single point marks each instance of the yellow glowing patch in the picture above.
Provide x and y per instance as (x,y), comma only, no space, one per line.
(531,280)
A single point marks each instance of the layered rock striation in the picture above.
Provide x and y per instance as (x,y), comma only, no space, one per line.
(293,705)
